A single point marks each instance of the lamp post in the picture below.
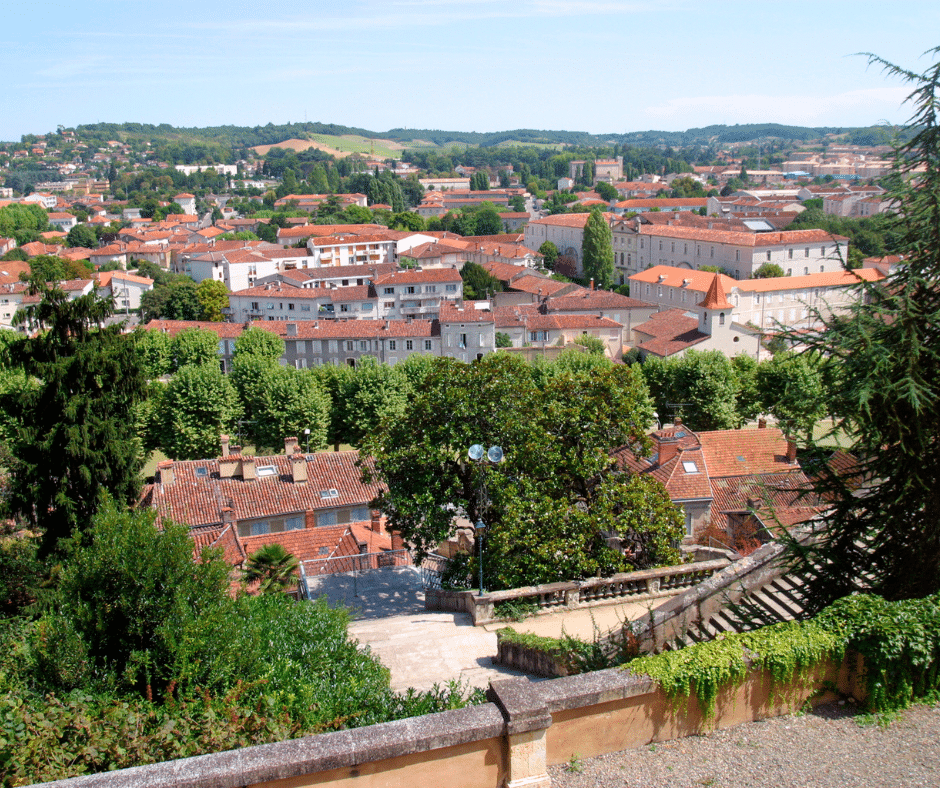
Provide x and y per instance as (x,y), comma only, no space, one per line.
(307,434)
(493,455)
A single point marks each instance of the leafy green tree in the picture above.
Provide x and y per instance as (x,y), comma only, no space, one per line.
(23,222)
(74,440)
(606,191)
(748,402)
(549,253)
(556,436)
(200,405)
(594,345)
(479,181)
(82,235)
(255,341)
(133,596)
(156,352)
(273,566)
(194,346)
(882,530)
(701,385)
(374,392)
(768,271)
(791,389)
(503,339)
(213,298)
(289,402)
(478,282)
(488,221)
(597,250)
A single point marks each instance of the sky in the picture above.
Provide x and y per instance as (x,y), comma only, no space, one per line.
(602,66)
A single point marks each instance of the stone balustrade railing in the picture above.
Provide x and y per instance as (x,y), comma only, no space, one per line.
(549,598)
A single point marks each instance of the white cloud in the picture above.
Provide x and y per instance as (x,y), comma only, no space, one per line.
(812,110)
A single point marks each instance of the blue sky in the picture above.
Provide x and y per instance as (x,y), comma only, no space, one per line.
(470,65)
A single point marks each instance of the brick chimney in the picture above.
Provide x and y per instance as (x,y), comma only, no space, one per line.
(762,424)
(791,451)
(228,516)
(248,469)
(166,473)
(397,542)
(668,448)
(225,444)
(376,521)
(298,467)
(290,446)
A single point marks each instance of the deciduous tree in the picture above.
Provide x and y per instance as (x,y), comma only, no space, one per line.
(597,250)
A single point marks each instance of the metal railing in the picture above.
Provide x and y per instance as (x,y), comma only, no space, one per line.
(360,562)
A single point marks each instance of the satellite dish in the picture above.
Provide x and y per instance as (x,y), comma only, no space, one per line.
(494,454)
(475,451)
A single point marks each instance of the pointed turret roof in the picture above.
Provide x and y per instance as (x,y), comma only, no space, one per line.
(715,297)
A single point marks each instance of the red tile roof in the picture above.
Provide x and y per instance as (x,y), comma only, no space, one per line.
(715,297)
(670,332)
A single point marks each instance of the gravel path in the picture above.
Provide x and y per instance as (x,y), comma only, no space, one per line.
(827,747)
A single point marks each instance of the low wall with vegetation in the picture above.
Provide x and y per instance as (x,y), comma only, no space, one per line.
(554,597)
(884,654)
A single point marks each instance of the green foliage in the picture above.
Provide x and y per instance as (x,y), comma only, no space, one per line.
(597,251)
(286,403)
(515,609)
(49,268)
(594,345)
(23,221)
(199,405)
(256,341)
(194,347)
(273,566)
(213,298)
(792,391)
(882,531)
(785,650)
(478,282)
(606,191)
(549,253)
(503,339)
(768,271)
(372,393)
(704,383)
(549,504)
(72,443)
(82,235)
(156,352)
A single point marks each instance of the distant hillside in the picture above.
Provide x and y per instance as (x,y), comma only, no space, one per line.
(342,140)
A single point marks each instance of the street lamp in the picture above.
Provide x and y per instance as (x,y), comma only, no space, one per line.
(493,455)
(307,433)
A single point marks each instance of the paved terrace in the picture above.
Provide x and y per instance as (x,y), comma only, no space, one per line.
(423,647)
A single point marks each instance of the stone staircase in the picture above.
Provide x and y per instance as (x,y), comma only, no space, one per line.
(752,592)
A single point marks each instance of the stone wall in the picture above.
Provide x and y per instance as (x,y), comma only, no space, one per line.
(510,741)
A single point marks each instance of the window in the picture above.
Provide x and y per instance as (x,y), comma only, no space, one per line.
(451,288)
(265,471)
(805,270)
(461,340)
(254,306)
(430,288)
(344,307)
(538,336)
(410,290)
(301,347)
(409,344)
(305,307)
(363,345)
(689,466)
(259,528)
(366,307)
(270,305)
(290,306)
(333,346)
(388,291)
(392,344)
(345,283)
(427,344)
(326,518)
(713,251)
(721,318)
(388,305)
(768,256)
(350,345)
(806,252)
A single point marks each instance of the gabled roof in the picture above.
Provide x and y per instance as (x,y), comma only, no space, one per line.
(670,332)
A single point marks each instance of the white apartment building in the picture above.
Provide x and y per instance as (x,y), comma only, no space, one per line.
(765,303)
(798,252)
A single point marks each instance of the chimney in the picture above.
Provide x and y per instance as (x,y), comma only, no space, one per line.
(228,516)
(225,445)
(376,521)
(397,542)
(762,424)
(668,448)
(290,446)
(591,285)
(791,451)
(248,469)
(298,468)
(166,473)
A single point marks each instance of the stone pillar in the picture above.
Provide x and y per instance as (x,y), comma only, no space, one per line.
(527,722)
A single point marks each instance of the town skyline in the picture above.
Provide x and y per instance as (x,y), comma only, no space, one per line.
(470,66)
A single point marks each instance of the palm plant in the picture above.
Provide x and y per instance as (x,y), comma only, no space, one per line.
(273,566)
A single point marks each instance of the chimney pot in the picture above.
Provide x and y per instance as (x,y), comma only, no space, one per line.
(791,451)
(290,445)
(225,445)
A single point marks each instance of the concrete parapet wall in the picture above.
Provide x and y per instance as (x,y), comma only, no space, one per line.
(510,741)
(550,598)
